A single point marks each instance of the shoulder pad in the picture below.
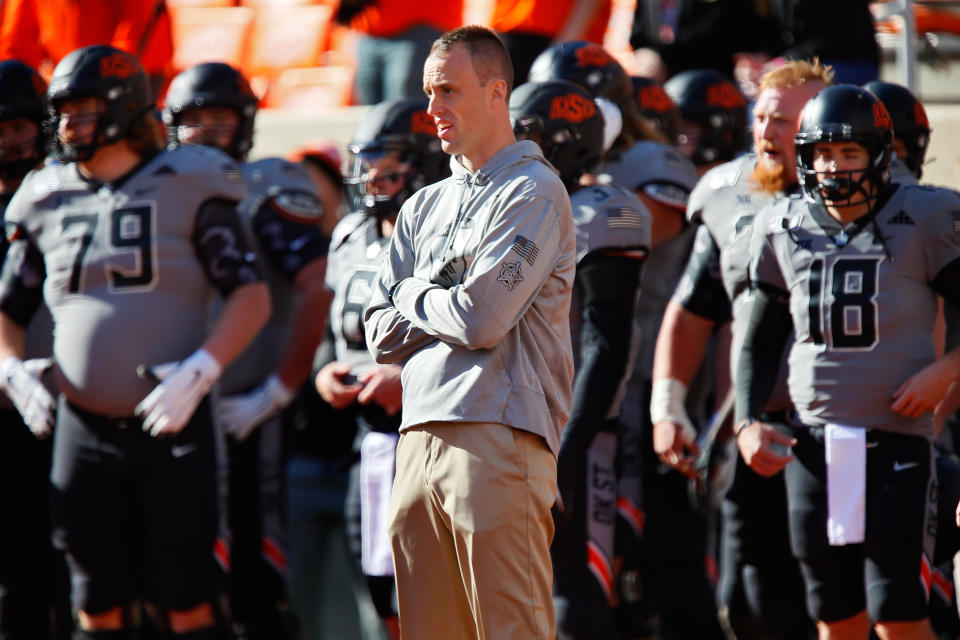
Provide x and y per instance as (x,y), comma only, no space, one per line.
(346,226)
(648,162)
(724,176)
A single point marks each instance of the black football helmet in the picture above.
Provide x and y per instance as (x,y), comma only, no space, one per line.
(212,84)
(22,95)
(656,106)
(593,68)
(910,123)
(564,120)
(401,128)
(98,71)
(843,113)
(714,103)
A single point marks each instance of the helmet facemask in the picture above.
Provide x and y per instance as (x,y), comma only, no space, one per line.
(380,180)
(840,188)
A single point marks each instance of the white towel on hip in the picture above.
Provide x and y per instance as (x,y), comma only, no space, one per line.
(377,468)
(846,453)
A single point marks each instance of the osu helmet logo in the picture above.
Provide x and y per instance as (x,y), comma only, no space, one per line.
(572,108)
(654,98)
(725,95)
(592,55)
(420,122)
(881,119)
(118,65)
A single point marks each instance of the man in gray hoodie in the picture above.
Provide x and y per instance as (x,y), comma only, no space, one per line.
(473,300)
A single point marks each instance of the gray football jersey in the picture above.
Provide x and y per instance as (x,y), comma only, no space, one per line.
(605,217)
(860,297)
(727,204)
(356,251)
(900,173)
(123,279)
(291,188)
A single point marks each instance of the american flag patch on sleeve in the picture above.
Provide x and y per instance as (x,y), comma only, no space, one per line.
(526,248)
(626,219)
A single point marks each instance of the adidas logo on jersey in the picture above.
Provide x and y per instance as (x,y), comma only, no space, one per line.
(901,218)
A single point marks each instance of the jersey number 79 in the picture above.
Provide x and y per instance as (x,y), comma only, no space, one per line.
(131,228)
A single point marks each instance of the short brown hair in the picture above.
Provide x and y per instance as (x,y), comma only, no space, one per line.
(488,54)
(796,73)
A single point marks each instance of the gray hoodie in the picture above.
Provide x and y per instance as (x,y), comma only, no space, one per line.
(474,297)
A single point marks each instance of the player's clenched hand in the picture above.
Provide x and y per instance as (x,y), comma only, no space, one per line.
(240,414)
(336,386)
(168,408)
(21,382)
(925,389)
(759,444)
(676,445)
(382,386)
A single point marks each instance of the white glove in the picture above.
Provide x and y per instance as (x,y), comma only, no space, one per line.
(667,405)
(240,414)
(21,382)
(168,408)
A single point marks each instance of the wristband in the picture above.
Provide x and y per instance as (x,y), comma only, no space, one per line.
(667,399)
(743,424)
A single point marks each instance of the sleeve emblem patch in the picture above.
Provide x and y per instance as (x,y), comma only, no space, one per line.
(510,275)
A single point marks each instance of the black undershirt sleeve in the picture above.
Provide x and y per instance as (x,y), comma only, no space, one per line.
(768,331)
(607,287)
(326,351)
(701,289)
(947,285)
(21,277)
(222,247)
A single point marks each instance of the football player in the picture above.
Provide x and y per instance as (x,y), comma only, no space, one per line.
(760,593)
(212,104)
(613,237)
(395,152)
(853,268)
(28,563)
(662,178)
(126,244)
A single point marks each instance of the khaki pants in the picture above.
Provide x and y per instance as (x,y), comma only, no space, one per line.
(471,528)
